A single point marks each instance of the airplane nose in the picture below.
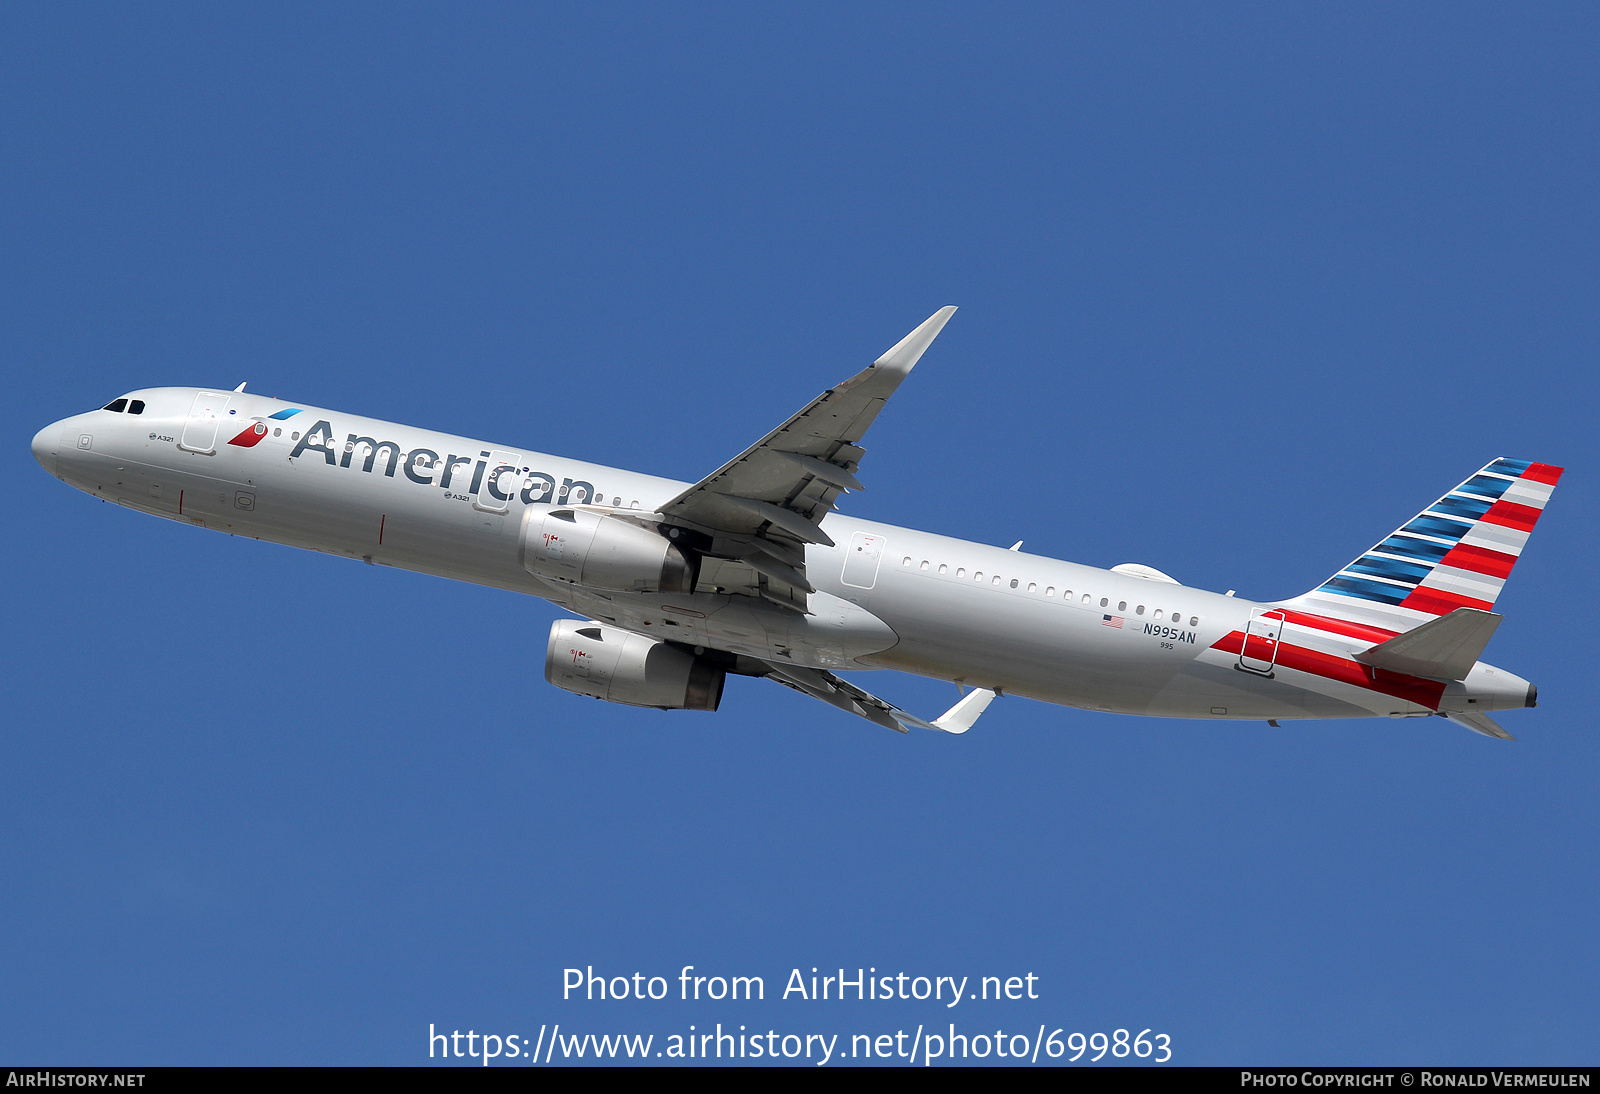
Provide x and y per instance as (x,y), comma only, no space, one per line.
(44,446)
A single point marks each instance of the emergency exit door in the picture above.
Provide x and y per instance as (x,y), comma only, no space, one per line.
(200,431)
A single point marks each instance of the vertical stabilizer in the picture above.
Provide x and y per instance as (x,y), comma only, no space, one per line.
(1457,553)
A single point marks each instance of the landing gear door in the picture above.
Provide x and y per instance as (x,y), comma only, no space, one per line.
(1261,638)
(200,431)
(501,481)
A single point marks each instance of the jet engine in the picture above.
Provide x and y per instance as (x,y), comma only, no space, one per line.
(604,552)
(620,667)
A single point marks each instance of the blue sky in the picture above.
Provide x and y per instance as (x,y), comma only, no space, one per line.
(1242,289)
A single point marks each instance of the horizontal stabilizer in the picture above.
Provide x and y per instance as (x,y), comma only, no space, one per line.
(1481,723)
(959,718)
(1443,649)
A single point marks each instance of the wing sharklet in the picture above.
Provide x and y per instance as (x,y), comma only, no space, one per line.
(960,718)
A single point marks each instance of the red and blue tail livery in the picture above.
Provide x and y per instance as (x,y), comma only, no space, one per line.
(1457,553)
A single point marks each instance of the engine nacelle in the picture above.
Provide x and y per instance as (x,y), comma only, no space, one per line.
(603,552)
(621,667)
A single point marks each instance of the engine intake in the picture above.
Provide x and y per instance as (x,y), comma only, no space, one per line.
(621,667)
(603,552)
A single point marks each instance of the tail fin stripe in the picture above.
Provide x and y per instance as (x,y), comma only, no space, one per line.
(1439,601)
(1512,515)
(1497,537)
(1464,581)
(1364,589)
(1429,525)
(1456,505)
(1514,468)
(1409,547)
(1464,556)
(1529,493)
(1486,486)
(1543,472)
(1392,569)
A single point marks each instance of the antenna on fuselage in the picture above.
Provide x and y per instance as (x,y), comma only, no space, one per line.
(241,386)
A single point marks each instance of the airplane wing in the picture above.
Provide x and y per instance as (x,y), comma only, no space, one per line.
(831,689)
(760,509)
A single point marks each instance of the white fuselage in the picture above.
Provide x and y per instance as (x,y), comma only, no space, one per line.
(928,604)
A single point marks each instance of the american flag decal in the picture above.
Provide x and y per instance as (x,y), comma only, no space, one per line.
(1111,621)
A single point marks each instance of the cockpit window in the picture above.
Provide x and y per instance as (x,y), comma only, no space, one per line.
(117,406)
(136,407)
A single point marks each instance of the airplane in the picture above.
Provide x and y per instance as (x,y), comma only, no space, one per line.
(753,571)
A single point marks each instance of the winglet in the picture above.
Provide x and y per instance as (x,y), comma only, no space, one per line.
(908,351)
(959,718)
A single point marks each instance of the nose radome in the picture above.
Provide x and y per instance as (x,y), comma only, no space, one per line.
(44,446)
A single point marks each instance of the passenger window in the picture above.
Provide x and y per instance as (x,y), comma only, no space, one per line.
(1194,621)
(924,564)
(1086,598)
(1033,587)
(1122,605)
(136,407)
(1066,594)
(1156,614)
(978,576)
(1104,603)
(1050,590)
(1139,610)
(116,406)
(906,561)
(961,571)
(996,581)
(944,568)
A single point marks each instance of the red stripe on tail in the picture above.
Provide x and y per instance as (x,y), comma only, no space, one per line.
(1512,515)
(1480,560)
(1439,601)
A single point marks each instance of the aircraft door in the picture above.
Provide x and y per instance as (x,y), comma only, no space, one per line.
(200,431)
(1261,637)
(501,481)
(861,560)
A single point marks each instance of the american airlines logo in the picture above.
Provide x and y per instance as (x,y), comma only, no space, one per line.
(427,468)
